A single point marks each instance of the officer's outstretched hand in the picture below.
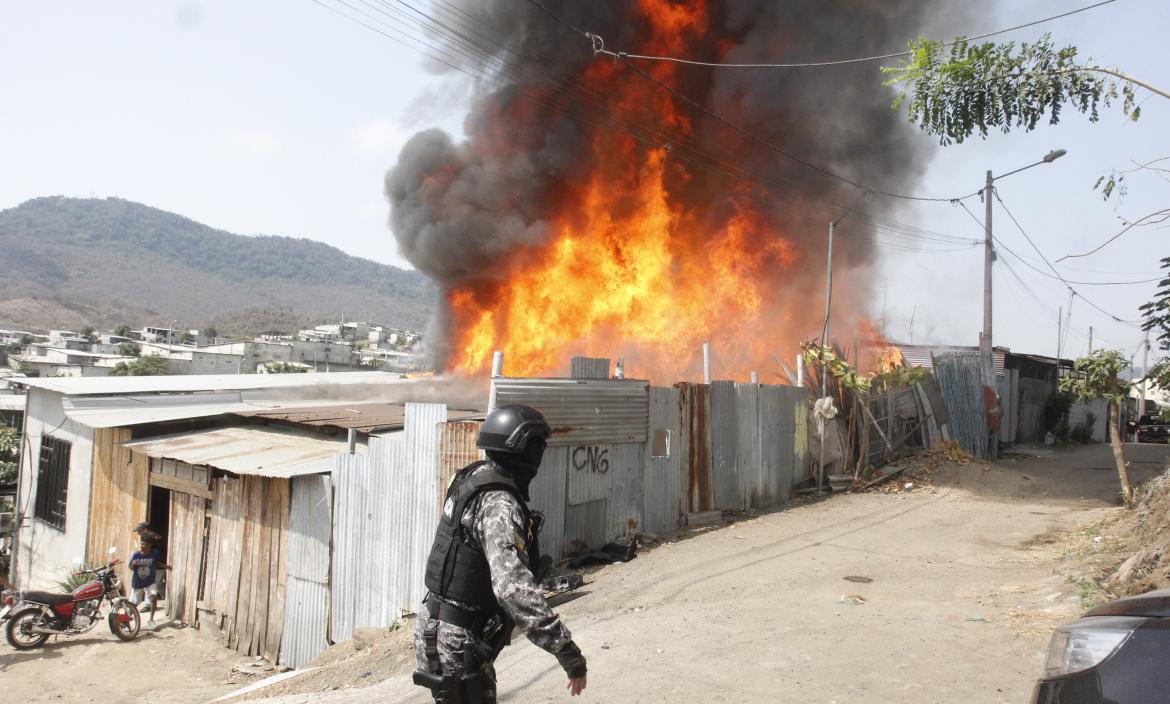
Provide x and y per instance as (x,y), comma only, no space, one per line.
(575,685)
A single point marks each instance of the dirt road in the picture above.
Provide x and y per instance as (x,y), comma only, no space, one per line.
(967,583)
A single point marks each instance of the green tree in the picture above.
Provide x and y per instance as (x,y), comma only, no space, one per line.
(973,88)
(9,453)
(1157,322)
(187,338)
(88,333)
(148,365)
(129,349)
(210,332)
(1099,376)
(122,330)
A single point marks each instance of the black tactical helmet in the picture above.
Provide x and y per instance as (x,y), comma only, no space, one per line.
(511,428)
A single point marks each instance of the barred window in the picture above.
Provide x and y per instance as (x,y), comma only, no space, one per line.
(52,481)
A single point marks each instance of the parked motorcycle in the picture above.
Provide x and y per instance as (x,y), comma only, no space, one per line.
(34,616)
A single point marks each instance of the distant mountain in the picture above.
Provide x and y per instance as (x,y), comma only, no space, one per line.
(72,262)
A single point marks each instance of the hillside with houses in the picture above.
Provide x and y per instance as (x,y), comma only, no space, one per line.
(71,262)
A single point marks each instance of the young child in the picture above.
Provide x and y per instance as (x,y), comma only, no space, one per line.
(144,566)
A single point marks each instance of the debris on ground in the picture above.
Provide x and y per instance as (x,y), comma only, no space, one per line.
(561,584)
(854,599)
(918,469)
(858,579)
(605,555)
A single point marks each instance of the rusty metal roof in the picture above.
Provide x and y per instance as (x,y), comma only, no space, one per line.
(362,417)
(265,452)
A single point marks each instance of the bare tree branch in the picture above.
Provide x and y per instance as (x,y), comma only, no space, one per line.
(1150,219)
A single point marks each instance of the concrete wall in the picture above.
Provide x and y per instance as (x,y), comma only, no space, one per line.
(44,553)
(1079,412)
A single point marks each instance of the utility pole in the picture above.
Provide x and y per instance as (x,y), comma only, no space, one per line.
(985,341)
(1145,373)
(1059,318)
(988,259)
(1090,340)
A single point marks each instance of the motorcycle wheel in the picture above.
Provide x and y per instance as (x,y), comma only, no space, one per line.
(19,631)
(124,620)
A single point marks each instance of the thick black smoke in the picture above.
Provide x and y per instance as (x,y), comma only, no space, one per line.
(464,210)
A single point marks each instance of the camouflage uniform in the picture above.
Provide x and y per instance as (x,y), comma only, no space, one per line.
(495,522)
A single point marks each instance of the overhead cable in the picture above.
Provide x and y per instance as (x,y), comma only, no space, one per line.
(754,137)
(599,47)
(1050,266)
(595,110)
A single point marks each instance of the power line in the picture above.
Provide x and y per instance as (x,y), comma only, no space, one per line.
(1050,266)
(752,136)
(599,47)
(1025,262)
(600,113)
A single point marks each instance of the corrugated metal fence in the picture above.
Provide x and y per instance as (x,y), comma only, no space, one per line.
(306,611)
(625,458)
(385,518)
(961,376)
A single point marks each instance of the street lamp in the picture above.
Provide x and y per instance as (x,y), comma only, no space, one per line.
(985,345)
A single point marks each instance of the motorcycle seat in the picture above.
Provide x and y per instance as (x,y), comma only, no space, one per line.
(48,598)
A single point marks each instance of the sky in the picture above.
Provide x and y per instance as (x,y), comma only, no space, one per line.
(281,118)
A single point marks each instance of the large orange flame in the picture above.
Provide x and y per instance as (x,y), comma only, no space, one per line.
(635,269)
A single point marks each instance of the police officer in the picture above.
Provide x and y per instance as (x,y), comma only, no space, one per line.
(480,570)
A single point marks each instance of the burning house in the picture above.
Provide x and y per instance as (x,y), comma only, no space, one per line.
(605,206)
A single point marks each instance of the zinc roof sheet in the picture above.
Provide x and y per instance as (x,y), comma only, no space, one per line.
(363,417)
(264,452)
(109,385)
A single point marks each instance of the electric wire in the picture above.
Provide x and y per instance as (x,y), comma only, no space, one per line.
(751,135)
(1031,292)
(1053,268)
(482,53)
(599,47)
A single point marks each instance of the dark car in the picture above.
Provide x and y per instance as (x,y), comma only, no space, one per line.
(1152,429)
(1114,654)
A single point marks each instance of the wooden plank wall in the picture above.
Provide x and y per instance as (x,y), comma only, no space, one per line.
(246,572)
(118,499)
(185,555)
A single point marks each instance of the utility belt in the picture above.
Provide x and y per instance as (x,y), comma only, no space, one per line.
(468,688)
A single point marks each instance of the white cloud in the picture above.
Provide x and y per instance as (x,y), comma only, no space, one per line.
(378,137)
(260,143)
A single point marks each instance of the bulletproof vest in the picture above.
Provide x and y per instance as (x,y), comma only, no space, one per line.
(457,568)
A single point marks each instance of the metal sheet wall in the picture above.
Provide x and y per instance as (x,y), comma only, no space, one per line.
(585,525)
(351,487)
(1008,388)
(727,445)
(306,612)
(800,473)
(549,496)
(774,428)
(961,377)
(583,411)
(661,476)
(624,508)
(1033,396)
(589,476)
(421,477)
(694,413)
(387,510)
(751,469)
(589,368)
(305,622)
